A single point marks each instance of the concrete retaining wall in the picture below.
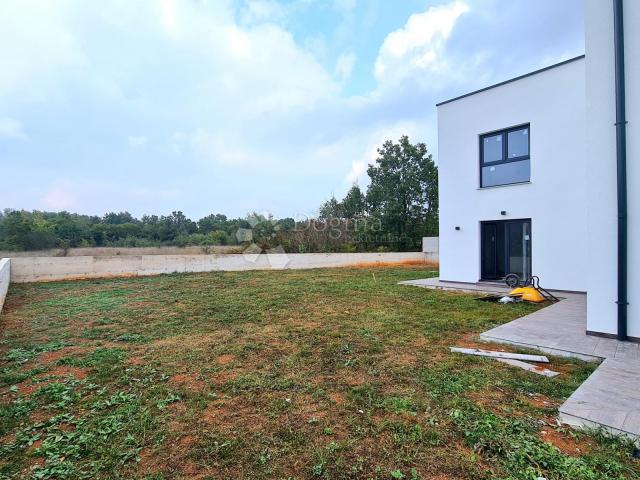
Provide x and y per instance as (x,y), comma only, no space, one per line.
(5,275)
(431,246)
(110,251)
(42,269)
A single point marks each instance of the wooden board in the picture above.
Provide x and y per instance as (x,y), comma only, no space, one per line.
(529,367)
(494,354)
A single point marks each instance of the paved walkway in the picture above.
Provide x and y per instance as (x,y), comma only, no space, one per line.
(436,283)
(610,397)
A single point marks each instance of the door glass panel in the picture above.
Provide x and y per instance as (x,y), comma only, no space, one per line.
(506,248)
(501,249)
(520,248)
(489,240)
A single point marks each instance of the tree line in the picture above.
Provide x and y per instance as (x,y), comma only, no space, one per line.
(398,208)
(36,230)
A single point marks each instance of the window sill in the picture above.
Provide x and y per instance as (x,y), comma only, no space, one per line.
(506,185)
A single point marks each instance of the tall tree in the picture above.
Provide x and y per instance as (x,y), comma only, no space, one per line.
(354,204)
(332,208)
(212,222)
(403,192)
(118,218)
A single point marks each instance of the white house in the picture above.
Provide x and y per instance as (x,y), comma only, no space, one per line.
(532,175)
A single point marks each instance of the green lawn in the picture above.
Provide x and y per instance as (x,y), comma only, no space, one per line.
(337,373)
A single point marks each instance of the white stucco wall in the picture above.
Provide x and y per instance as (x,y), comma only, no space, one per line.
(601,164)
(5,272)
(553,103)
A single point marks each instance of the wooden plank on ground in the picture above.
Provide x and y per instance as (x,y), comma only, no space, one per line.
(529,367)
(493,354)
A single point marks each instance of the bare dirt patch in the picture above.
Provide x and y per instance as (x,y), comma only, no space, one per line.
(235,413)
(187,441)
(564,442)
(26,387)
(39,416)
(490,398)
(221,378)
(52,357)
(187,381)
(402,358)
(541,401)
(67,371)
(135,361)
(306,407)
(225,359)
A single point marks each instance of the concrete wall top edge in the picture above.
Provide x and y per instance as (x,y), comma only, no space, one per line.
(36,269)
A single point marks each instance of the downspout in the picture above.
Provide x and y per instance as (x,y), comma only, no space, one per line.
(621,161)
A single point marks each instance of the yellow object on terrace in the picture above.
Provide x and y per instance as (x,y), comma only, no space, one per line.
(528,294)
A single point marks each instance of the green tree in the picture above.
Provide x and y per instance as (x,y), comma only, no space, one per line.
(22,230)
(354,203)
(175,225)
(212,222)
(332,208)
(72,230)
(403,193)
(118,218)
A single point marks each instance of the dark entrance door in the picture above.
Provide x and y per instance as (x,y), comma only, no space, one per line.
(489,250)
(505,248)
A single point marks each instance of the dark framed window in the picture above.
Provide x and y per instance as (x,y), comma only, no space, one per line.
(504,157)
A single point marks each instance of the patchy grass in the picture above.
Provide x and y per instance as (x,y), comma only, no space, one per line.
(328,374)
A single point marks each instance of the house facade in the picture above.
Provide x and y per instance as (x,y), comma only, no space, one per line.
(531,179)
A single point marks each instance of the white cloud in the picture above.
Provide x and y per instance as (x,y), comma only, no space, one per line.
(371,141)
(11,128)
(219,148)
(58,198)
(168,15)
(358,170)
(36,46)
(256,11)
(137,141)
(344,67)
(418,48)
(212,88)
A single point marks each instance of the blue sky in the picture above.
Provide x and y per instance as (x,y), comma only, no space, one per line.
(238,106)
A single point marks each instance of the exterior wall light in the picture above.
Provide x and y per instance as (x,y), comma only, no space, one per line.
(503,212)
(457,228)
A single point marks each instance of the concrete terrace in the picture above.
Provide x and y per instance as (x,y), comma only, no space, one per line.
(610,397)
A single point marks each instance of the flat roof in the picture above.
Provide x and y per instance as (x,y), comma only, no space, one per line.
(579,57)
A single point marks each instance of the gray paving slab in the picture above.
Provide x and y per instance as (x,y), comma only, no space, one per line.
(610,397)
(437,284)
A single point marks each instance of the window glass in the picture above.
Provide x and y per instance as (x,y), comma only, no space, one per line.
(492,148)
(506,173)
(518,143)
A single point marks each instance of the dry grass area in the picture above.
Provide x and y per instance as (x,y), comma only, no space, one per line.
(334,374)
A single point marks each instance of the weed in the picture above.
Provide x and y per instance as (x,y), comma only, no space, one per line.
(24,354)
